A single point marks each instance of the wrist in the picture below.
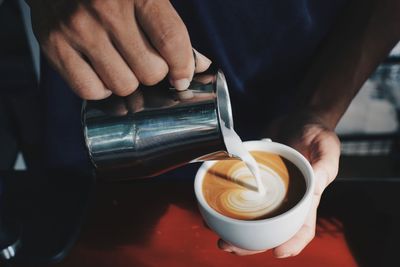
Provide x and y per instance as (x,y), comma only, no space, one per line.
(328,118)
(328,102)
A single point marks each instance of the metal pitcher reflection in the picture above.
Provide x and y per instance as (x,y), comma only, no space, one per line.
(157,128)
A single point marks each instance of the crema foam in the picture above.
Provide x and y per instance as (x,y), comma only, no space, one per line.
(230,188)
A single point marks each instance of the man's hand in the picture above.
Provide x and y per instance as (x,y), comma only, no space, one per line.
(320,145)
(110,46)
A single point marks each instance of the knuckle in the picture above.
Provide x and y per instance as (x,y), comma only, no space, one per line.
(109,12)
(79,23)
(51,40)
(151,7)
(54,45)
(92,46)
(84,31)
(173,37)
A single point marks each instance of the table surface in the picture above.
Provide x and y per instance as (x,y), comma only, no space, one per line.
(156,222)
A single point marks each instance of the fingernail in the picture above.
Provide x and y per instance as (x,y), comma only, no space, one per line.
(202,57)
(282,256)
(107,93)
(202,62)
(181,84)
(227,249)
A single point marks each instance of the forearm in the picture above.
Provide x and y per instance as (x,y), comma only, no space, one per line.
(362,37)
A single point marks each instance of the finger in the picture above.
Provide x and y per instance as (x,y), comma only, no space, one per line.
(325,154)
(169,36)
(86,35)
(146,63)
(225,246)
(75,70)
(202,63)
(112,69)
(304,236)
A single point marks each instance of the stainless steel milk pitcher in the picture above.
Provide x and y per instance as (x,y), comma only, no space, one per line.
(158,128)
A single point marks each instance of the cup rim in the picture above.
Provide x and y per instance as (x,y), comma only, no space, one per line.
(309,179)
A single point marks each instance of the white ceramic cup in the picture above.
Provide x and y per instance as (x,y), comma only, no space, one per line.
(266,233)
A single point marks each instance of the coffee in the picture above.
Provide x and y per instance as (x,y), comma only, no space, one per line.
(230,188)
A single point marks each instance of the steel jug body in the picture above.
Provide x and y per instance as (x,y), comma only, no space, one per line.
(157,128)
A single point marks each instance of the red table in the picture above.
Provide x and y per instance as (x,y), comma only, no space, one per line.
(156,223)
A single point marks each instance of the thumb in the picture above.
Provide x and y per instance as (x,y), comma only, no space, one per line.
(325,161)
(322,179)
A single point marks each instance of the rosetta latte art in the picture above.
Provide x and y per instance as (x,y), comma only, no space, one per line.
(230,188)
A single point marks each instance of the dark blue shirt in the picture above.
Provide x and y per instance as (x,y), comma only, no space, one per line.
(263,46)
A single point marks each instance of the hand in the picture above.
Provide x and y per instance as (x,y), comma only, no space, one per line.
(320,145)
(110,46)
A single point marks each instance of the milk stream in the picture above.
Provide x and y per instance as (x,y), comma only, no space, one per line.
(235,146)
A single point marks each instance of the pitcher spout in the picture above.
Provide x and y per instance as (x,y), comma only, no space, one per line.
(219,155)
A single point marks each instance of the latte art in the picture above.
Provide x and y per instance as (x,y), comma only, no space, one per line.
(241,200)
(230,188)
